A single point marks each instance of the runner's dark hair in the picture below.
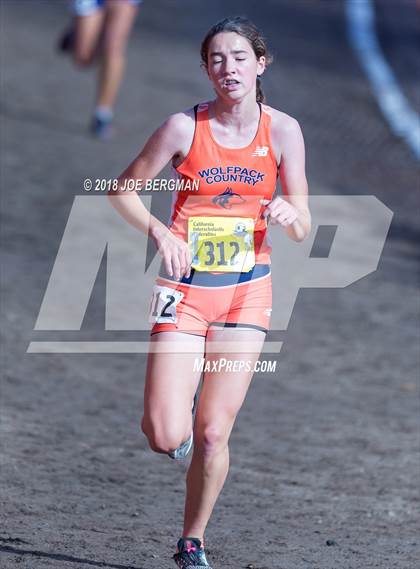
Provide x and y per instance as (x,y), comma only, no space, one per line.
(249,31)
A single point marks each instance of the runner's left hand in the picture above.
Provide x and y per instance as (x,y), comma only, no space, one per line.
(280,211)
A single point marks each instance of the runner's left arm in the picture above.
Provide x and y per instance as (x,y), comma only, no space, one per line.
(292,210)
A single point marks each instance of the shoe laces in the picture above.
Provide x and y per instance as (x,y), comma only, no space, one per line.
(189,545)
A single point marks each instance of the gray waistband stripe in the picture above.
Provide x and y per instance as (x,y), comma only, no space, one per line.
(239,325)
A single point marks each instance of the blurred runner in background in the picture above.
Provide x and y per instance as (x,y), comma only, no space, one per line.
(100,31)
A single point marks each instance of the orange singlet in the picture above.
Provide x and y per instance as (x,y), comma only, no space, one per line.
(232,181)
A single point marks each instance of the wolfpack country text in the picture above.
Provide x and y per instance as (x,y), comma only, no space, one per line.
(232,174)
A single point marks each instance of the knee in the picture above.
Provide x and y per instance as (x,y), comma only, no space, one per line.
(82,59)
(113,48)
(211,439)
(161,440)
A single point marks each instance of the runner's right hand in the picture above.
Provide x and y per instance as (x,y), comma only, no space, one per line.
(174,252)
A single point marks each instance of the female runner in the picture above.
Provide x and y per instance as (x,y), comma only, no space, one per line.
(214,288)
(102,28)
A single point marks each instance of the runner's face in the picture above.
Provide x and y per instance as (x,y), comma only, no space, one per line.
(232,66)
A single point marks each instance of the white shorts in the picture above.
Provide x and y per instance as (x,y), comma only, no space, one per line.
(87,7)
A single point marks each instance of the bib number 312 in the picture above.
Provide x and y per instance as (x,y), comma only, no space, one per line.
(163,305)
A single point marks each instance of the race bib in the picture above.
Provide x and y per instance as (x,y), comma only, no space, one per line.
(163,305)
(224,244)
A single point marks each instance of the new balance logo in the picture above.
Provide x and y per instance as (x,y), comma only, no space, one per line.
(260,151)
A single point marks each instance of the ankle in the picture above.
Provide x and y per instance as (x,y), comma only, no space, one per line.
(103,112)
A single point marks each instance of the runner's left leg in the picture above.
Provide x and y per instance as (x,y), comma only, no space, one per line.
(221,398)
(120,16)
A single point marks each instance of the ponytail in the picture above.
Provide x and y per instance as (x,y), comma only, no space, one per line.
(260,92)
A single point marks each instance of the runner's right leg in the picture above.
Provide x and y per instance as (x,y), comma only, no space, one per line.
(87,30)
(170,386)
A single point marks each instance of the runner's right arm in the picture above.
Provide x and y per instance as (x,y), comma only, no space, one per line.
(169,142)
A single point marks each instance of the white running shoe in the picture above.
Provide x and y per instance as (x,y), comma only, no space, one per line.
(183,450)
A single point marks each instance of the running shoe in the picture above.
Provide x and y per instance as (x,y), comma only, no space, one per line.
(101,127)
(190,554)
(66,41)
(183,450)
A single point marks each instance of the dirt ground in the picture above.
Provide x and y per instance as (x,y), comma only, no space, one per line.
(325,452)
